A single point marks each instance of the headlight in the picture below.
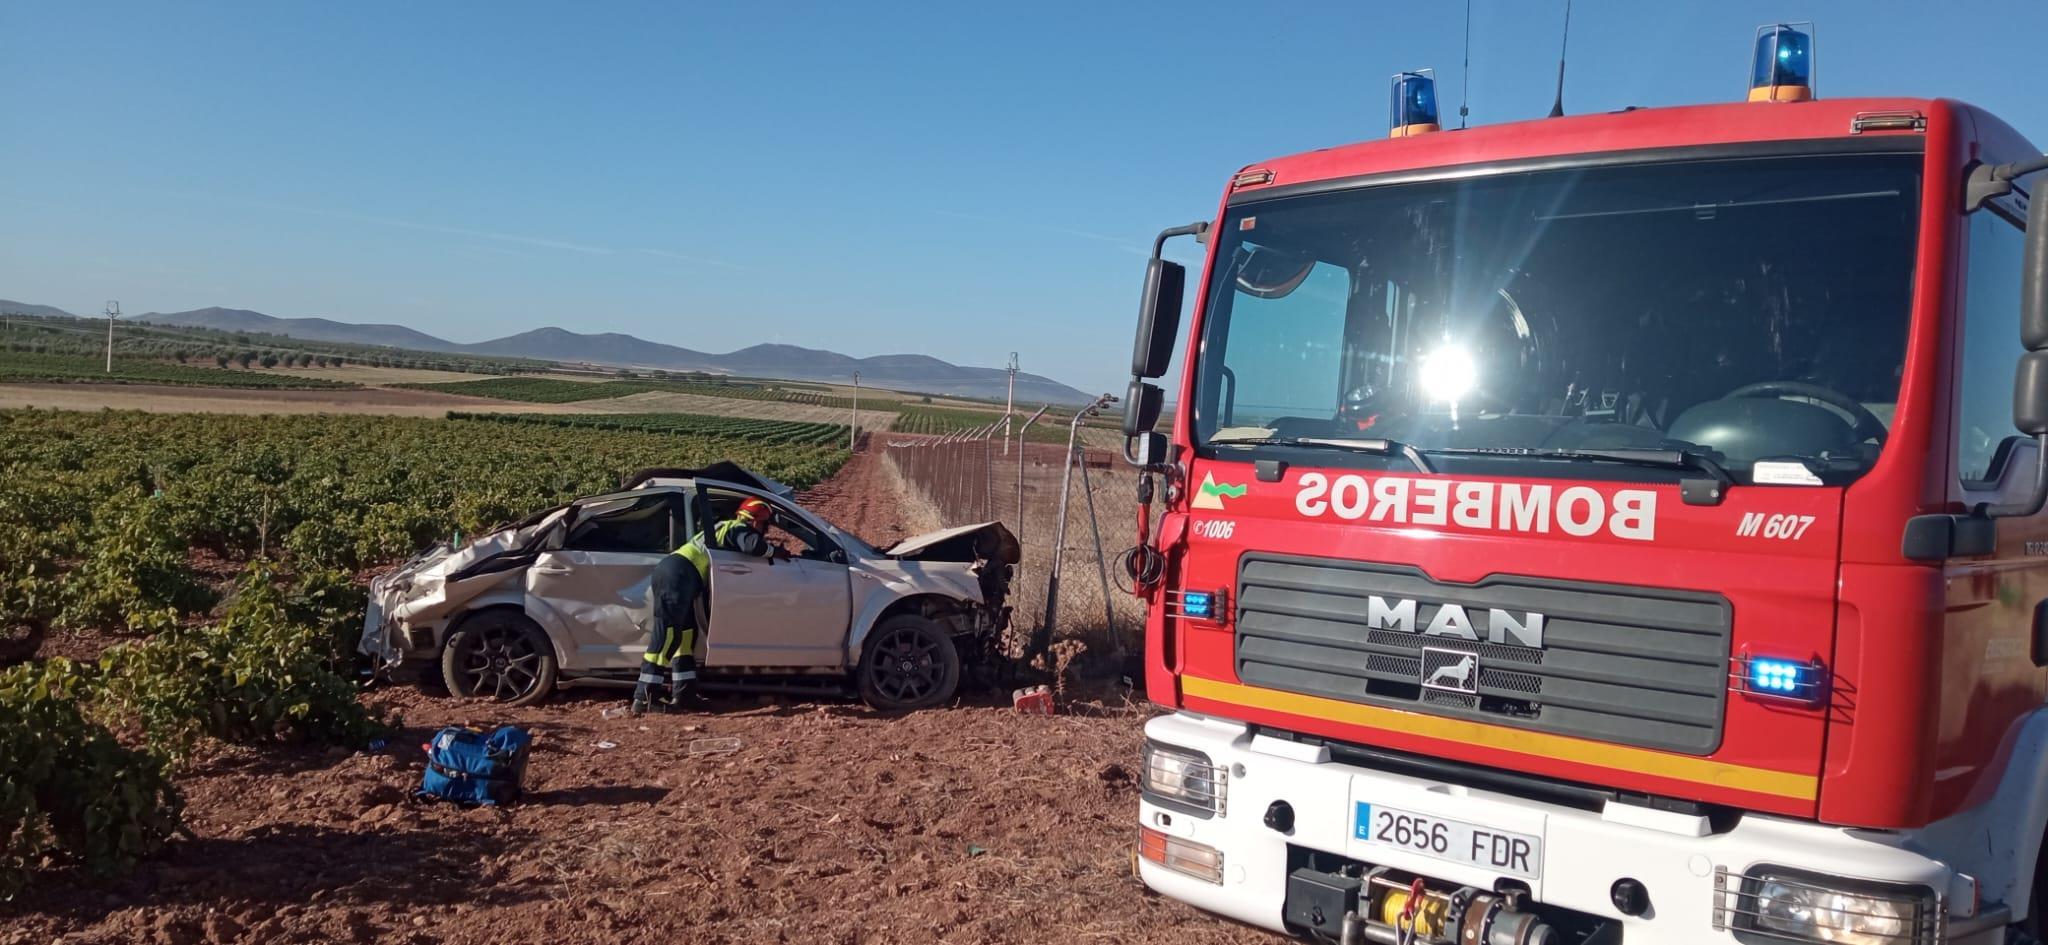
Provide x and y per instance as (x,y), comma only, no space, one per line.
(1778,905)
(1183,778)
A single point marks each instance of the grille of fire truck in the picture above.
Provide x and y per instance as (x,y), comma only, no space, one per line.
(1631,665)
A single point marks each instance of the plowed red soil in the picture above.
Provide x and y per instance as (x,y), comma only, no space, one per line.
(749,820)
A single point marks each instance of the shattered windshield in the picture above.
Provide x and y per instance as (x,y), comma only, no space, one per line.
(1741,310)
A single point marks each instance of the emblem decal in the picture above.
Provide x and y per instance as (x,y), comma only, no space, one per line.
(1210,494)
(1450,670)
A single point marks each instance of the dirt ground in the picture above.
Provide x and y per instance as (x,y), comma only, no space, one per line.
(749,820)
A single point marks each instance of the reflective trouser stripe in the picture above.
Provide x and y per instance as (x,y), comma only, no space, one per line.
(683,676)
(650,676)
(677,643)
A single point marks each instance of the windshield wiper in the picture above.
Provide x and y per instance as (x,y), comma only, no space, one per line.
(1375,447)
(1693,491)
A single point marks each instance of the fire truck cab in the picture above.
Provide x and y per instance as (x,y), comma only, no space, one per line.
(1620,527)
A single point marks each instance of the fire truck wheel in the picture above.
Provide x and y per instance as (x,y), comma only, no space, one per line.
(908,663)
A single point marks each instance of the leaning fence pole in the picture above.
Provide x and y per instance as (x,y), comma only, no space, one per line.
(1059,542)
(1116,640)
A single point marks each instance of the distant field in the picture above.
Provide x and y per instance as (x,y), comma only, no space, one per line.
(547,390)
(381,376)
(917,418)
(772,432)
(192,398)
(873,416)
(25,367)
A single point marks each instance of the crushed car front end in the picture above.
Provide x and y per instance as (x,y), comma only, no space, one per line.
(411,606)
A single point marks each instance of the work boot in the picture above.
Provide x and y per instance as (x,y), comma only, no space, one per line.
(643,699)
(680,685)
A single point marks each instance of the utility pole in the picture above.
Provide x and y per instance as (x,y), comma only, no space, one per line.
(1010,404)
(113,311)
(853,433)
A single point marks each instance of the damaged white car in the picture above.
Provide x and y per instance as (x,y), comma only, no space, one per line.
(560,598)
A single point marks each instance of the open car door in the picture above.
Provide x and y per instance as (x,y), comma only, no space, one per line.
(764,612)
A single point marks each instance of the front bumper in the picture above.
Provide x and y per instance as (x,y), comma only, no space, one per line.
(1676,858)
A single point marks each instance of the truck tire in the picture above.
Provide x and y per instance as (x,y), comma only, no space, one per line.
(501,656)
(908,663)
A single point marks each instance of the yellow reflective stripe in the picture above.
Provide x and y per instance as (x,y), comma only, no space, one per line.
(1539,744)
(694,552)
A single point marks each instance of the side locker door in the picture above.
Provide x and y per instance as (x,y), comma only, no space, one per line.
(785,614)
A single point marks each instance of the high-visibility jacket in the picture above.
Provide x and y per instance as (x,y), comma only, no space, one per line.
(733,534)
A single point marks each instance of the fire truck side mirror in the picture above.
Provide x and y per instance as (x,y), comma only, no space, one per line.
(1141,407)
(2030,383)
(2030,394)
(1158,317)
(2034,273)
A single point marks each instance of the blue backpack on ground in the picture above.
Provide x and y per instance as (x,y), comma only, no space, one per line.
(468,767)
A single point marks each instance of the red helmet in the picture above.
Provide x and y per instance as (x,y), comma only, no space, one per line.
(754,510)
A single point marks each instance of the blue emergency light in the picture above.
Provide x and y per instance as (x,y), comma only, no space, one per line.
(1783,68)
(1784,679)
(1776,675)
(1412,110)
(1200,605)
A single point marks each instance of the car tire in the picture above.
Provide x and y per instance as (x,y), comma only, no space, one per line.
(908,662)
(501,656)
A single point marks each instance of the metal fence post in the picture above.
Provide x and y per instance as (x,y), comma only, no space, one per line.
(1116,640)
(1042,640)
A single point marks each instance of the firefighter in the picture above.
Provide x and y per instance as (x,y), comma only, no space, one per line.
(679,582)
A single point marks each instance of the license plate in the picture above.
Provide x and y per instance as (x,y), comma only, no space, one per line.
(1488,848)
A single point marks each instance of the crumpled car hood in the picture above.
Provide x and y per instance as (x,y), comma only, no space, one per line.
(988,541)
(428,585)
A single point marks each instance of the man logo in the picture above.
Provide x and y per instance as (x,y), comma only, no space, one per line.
(1450,670)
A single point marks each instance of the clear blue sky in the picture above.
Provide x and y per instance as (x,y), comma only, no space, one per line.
(961,180)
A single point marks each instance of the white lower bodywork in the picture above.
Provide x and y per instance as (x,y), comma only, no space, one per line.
(1583,853)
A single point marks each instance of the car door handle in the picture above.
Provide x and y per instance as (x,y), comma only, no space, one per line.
(550,570)
(735,569)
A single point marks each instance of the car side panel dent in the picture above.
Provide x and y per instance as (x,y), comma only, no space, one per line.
(436,599)
(537,609)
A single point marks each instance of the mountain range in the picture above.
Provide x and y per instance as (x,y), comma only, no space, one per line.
(908,372)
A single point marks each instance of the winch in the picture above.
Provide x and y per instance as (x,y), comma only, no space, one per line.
(1379,907)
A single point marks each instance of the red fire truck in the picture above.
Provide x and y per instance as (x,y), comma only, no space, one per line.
(1620,527)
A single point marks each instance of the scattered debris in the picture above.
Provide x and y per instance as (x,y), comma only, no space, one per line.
(616,712)
(1033,700)
(607,746)
(714,746)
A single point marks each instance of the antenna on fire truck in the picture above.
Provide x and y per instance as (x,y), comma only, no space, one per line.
(1465,90)
(1557,107)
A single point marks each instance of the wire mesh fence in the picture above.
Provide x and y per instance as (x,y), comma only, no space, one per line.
(978,475)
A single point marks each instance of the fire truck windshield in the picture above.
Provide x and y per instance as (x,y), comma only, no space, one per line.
(1745,310)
